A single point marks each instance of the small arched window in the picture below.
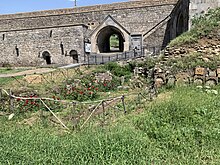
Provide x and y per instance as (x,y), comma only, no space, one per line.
(74,55)
(46,57)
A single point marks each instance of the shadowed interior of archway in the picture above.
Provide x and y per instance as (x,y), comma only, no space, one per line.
(104,40)
(47,57)
(181,27)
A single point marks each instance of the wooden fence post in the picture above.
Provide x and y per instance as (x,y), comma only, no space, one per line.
(51,76)
(11,101)
(123,103)
(40,108)
(0,94)
(103,110)
(1,102)
(67,73)
(74,117)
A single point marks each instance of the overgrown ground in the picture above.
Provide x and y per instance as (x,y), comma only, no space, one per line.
(181,126)
(175,130)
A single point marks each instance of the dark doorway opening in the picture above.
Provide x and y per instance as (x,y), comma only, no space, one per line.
(47,57)
(110,39)
(180,26)
(74,55)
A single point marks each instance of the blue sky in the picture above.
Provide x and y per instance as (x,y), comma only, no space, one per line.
(16,6)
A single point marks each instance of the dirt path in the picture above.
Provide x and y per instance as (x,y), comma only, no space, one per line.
(28,72)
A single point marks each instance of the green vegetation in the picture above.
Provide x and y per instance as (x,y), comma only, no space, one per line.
(174,130)
(191,61)
(5,70)
(4,81)
(118,70)
(114,41)
(8,80)
(8,70)
(202,26)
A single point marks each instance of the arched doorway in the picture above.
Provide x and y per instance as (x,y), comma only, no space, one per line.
(180,25)
(47,57)
(110,39)
(74,55)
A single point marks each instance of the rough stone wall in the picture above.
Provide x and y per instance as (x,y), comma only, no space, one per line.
(139,19)
(30,32)
(169,28)
(158,36)
(30,45)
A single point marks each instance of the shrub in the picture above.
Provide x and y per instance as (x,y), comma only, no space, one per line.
(118,70)
(88,88)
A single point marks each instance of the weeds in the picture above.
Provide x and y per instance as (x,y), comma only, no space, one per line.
(179,130)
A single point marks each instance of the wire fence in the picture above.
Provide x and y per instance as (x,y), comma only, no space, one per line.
(80,113)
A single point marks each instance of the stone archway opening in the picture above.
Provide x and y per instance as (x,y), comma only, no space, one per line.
(180,25)
(47,57)
(74,55)
(110,39)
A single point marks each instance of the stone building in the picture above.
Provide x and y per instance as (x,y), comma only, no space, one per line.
(67,36)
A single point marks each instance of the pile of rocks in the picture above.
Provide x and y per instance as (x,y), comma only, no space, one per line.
(205,49)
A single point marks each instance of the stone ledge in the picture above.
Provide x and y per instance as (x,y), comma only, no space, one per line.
(113,6)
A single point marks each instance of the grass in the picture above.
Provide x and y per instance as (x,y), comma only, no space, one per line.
(7,80)
(178,130)
(8,70)
(114,41)
(4,81)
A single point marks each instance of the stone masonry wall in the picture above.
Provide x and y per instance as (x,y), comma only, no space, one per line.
(32,43)
(30,32)
(139,19)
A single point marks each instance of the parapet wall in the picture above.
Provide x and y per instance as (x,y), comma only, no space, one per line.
(113,6)
(134,17)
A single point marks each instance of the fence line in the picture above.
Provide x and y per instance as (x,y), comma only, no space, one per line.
(65,101)
(105,103)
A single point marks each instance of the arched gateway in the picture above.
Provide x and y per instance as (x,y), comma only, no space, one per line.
(104,40)
(101,37)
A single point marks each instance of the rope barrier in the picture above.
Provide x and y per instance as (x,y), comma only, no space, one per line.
(70,102)
(54,114)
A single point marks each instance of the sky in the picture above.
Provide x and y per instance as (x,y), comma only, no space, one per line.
(17,6)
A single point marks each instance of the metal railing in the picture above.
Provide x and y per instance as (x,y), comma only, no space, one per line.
(96,59)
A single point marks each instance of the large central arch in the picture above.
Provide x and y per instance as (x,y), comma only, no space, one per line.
(100,37)
(103,39)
